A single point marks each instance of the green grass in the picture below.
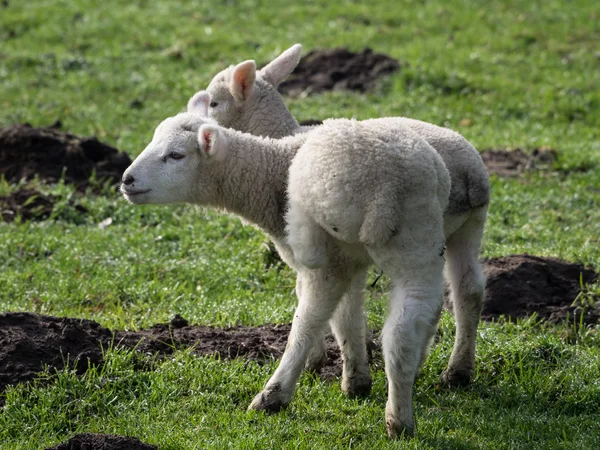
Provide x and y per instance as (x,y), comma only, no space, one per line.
(522,72)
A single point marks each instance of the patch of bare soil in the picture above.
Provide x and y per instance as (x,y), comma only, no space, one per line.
(511,163)
(28,342)
(26,151)
(254,343)
(310,122)
(517,286)
(89,441)
(339,68)
(521,285)
(30,204)
(27,203)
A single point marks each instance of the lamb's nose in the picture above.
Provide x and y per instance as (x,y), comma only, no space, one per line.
(127,180)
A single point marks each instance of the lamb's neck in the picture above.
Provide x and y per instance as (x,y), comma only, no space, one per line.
(254,182)
(272,118)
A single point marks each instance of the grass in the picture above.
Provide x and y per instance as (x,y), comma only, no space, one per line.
(521,71)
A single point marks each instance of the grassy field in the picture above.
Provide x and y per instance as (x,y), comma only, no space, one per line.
(523,72)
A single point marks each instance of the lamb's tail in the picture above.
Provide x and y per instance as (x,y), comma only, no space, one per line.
(478,186)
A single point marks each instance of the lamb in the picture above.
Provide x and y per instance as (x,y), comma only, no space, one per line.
(245,99)
(314,195)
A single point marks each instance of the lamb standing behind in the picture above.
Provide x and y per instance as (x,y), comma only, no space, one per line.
(334,209)
(247,100)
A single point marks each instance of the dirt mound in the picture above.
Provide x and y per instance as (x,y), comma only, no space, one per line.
(326,70)
(255,343)
(30,204)
(27,203)
(28,342)
(89,441)
(510,163)
(26,151)
(310,122)
(520,285)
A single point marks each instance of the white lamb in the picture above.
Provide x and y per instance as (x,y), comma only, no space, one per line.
(247,100)
(357,193)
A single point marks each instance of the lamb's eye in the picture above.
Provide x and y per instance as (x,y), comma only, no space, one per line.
(176,155)
(213,104)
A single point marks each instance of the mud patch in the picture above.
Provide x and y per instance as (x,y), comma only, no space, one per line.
(260,343)
(511,163)
(254,343)
(29,342)
(30,204)
(335,69)
(310,122)
(89,441)
(26,151)
(521,285)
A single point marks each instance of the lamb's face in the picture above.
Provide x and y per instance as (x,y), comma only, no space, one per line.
(240,96)
(239,114)
(169,170)
(223,106)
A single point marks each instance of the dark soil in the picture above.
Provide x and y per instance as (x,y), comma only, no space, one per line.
(26,151)
(30,204)
(255,343)
(334,69)
(510,163)
(28,342)
(27,203)
(310,122)
(517,286)
(260,343)
(521,285)
(89,441)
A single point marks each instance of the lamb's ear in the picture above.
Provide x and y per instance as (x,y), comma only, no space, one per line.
(212,141)
(242,80)
(199,103)
(276,71)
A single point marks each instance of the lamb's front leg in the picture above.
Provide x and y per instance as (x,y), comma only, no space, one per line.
(320,294)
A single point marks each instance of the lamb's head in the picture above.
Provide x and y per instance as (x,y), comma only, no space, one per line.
(179,164)
(247,100)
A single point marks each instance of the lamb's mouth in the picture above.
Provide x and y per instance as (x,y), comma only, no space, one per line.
(133,193)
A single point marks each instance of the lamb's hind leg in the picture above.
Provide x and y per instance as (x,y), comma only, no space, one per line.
(415,265)
(320,294)
(467,284)
(350,329)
